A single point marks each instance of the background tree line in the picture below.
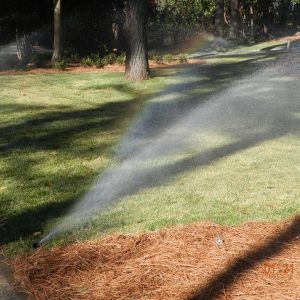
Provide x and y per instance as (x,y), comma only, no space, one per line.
(91,26)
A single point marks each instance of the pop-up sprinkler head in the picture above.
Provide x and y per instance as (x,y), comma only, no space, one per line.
(36,245)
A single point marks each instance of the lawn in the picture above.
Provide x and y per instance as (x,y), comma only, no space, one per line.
(59,131)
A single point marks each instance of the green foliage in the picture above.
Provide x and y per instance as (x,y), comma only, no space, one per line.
(36,60)
(182,58)
(99,63)
(86,62)
(184,13)
(157,58)
(94,57)
(120,60)
(168,58)
(109,59)
(61,64)
(74,57)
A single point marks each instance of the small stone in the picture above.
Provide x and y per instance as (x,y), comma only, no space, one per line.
(219,240)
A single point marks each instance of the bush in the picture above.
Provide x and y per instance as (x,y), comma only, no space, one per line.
(99,63)
(60,64)
(157,58)
(168,58)
(86,62)
(109,59)
(120,60)
(36,60)
(74,57)
(94,57)
(182,58)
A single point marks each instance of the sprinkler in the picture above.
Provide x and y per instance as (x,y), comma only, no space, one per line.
(36,245)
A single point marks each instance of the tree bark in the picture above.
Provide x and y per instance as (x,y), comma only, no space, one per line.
(298,17)
(234,19)
(283,9)
(219,18)
(265,16)
(251,19)
(57,39)
(136,66)
(118,31)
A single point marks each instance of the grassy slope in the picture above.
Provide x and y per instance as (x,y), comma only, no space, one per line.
(58,132)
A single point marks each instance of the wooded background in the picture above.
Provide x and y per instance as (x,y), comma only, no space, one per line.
(90,25)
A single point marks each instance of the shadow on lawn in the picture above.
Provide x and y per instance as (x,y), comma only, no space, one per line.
(46,137)
(30,221)
(241,265)
(38,134)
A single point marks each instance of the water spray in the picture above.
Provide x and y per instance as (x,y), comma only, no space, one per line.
(248,112)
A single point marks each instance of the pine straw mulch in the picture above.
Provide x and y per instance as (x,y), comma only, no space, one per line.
(76,68)
(258,260)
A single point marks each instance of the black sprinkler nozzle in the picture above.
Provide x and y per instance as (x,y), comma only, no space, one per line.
(36,245)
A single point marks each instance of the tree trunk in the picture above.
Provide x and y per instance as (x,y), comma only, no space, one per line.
(234,19)
(298,17)
(118,31)
(219,18)
(251,19)
(24,50)
(283,9)
(136,66)
(266,16)
(57,41)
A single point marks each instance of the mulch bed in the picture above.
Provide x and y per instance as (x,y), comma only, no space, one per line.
(76,68)
(258,260)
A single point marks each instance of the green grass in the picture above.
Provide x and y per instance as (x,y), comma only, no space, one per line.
(58,132)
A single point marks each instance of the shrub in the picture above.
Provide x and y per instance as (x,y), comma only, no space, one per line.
(168,58)
(36,60)
(60,64)
(182,58)
(86,62)
(157,58)
(109,59)
(74,57)
(99,63)
(120,60)
(94,57)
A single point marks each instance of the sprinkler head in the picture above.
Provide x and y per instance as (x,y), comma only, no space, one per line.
(36,245)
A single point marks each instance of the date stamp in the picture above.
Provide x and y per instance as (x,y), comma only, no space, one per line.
(280,269)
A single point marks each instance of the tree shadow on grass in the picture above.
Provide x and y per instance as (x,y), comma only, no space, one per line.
(226,278)
(31,220)
(103,116)
(20,141)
